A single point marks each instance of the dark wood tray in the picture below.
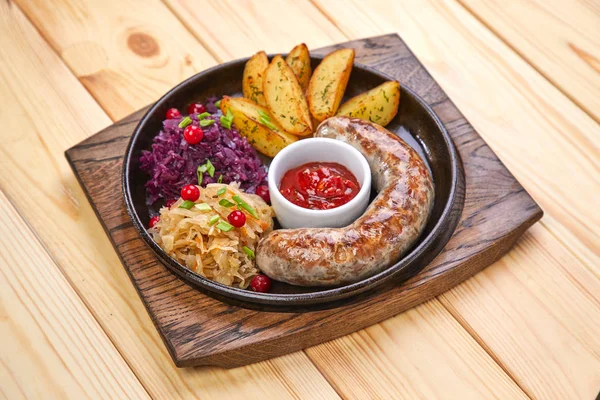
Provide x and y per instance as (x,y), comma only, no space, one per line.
(201,330)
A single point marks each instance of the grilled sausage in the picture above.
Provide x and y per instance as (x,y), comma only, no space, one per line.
(387,229)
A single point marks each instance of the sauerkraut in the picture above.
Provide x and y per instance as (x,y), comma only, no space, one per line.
(193,237)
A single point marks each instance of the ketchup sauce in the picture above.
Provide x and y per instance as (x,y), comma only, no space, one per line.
(319,185)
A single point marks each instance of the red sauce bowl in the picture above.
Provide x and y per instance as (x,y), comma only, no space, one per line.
(320,150)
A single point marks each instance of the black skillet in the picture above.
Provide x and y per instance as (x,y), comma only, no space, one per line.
(416,123)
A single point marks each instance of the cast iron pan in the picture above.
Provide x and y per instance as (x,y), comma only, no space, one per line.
(416,123)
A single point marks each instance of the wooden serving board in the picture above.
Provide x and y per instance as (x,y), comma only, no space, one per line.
(201,330)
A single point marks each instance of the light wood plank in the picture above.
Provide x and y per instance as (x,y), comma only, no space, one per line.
(126,54)
(51,347)
(423,353)
(549,313)
(560,39)
(241,28)
(44,110)
(546,141)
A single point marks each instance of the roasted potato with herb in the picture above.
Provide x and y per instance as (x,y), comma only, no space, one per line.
(378,105)
(285,98)
(328,83)
(256,123)
(299,62)
(252,81)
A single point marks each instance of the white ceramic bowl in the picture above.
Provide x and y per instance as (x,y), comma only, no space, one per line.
(305,151)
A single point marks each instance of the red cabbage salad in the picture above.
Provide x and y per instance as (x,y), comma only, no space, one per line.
(199,148)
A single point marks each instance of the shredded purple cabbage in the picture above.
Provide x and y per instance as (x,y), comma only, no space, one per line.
(173,162)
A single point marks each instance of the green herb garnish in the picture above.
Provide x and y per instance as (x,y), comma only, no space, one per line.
(222,190)
(203,207)
(227,120)
(264,115)
(220,180)
(265,119)
(185,122)
(249,252)
(248,208)
(207,167)
(218,103)
(187,204)
(224,226)
(200,172)
(242,204)
(226,203)
(203,115)
(268,124)
(213,220)
(210,168)
(206,122)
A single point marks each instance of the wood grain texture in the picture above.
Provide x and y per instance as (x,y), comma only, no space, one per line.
(201,330)
(47,331)
(37,91)
(239,29)
(539,291)
(126,54)
(534,134)
(388,358)
(560,39)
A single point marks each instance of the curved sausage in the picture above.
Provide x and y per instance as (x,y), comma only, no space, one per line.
(389,226)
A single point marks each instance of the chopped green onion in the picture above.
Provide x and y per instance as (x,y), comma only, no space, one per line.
(210,168)
(220,179)
(268,123)
(185,122)
(226,203)
(200,171)
(203,207)
(187,204)
(213,220)
(206,122)
(242,204)
(224,226)
(222,190)
(265,119)
(248,208)
(203,115)
(249,252)
(264,115)
(226,121)
(218,103)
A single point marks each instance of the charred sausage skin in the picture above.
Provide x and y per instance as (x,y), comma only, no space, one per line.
(389,226)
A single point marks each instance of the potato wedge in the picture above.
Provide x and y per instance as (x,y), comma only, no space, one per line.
(256,123)
(285,98)
(328,83)
(299,62)
(252,81)
(378,105)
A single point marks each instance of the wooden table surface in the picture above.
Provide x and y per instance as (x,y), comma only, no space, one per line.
(525,73)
